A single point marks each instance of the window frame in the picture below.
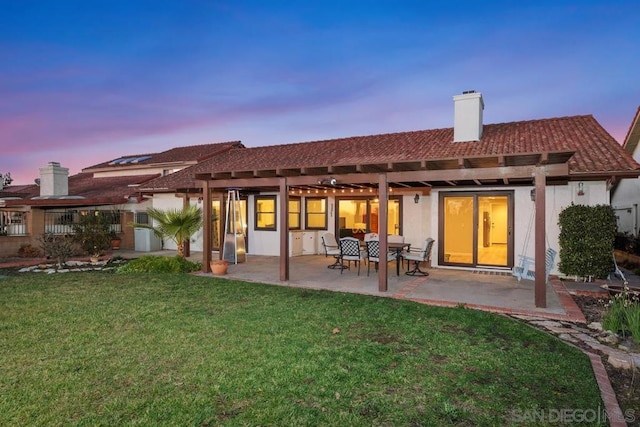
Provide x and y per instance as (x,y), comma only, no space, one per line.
(298,213)
(257,213)
(306,213)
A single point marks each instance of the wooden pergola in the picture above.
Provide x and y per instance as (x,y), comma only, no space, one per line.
(499,170)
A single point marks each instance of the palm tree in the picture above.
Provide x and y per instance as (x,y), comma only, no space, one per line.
(177,225)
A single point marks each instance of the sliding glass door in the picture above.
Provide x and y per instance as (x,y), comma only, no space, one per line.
(476,229)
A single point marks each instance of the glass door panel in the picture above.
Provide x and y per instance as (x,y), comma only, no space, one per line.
(215,225)
(475,229)
(493,230)
(458,227)
(393,218)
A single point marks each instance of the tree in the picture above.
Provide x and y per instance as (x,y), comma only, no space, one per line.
(93,232)
(177,225)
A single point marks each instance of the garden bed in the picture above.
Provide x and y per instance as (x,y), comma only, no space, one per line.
(625,383)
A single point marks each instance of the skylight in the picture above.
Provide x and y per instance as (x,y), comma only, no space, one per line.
(129,160)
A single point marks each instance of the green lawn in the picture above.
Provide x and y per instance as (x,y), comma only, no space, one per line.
(172,349)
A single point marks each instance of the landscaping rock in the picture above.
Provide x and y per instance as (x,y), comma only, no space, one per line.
(609,337)
(620,360)
(595,326)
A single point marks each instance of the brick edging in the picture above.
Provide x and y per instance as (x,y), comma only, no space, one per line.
(615,416)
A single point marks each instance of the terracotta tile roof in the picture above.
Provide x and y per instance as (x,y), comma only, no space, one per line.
(189,154)
(595,150)
(15,190)
(111,190)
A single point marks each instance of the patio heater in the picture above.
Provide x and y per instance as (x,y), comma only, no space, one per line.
(234,250)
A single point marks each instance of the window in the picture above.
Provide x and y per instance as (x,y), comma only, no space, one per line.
(315,213)
(294,214)
(358,216)
(265,212)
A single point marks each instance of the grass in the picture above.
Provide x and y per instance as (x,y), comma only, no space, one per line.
(174,349)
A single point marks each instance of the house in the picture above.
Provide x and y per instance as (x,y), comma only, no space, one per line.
(56,200)
(485,192)
(625,197)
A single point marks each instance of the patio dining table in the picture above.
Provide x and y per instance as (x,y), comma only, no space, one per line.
(398,247)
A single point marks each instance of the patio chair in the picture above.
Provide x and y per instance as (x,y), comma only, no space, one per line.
(350,251)
(373,254)
(370,236)
(417,256)
(331,247)
(395,238)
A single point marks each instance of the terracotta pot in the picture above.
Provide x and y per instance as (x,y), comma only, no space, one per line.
(219,267)
(115,244)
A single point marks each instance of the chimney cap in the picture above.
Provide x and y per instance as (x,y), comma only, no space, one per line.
(466,92)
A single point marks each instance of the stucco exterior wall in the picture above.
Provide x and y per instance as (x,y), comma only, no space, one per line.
(420,220)
(558,197)
(625,202)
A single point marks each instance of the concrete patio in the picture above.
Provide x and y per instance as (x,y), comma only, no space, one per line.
(497,292)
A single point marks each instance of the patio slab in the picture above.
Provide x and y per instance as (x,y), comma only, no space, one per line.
(447,287)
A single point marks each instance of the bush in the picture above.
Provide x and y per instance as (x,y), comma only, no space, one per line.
(29,251)
(587,235)
(58,247)
(92,232)
(160,264)
(623,315)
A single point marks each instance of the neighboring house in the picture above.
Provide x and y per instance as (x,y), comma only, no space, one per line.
(56,200)
(625,197)
(470,187)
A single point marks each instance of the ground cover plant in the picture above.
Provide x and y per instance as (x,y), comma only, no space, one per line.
(160,264)
(177,349)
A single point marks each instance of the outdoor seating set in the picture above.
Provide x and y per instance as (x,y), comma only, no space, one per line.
(349,249)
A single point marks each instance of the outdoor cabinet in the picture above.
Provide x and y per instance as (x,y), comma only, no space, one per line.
(309,242)
(295,243)
(146,240)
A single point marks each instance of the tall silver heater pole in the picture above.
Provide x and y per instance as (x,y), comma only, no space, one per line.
(234,250)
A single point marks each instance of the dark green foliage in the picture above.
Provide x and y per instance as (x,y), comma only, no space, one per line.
(160,264)
(93,232)
(587,235)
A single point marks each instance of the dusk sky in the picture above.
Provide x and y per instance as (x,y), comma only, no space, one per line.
(82,82)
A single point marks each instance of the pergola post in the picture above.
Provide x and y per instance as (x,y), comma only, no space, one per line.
(206,227)
(383,214)
(187,243)
(284,230)
(540,242)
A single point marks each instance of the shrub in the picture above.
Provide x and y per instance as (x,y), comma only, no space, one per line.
(587,235)
(159,264)
(58,247)
(623,315)
(92,232)
(29,251)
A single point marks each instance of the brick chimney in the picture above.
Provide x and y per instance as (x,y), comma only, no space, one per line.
(467,121)
(54,180)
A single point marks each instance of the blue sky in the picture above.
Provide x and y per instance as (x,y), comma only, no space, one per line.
(82,82)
